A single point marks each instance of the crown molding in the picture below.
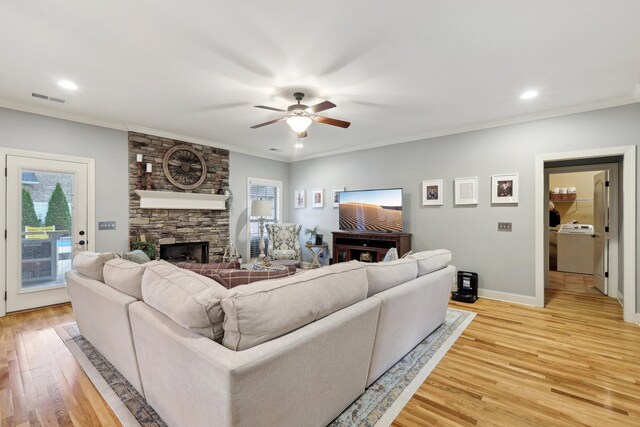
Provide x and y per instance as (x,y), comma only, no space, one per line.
(63,115)
(598,105)
(186,138)
(79,118)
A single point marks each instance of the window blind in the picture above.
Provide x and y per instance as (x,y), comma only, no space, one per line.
(262,192)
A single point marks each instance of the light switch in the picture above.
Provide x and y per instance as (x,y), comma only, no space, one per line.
(504,226)
(106,225)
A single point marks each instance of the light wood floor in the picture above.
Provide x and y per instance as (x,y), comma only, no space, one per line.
(572,363)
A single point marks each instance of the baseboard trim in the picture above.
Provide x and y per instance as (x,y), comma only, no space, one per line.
(637,319)
(507,297)
(620,299)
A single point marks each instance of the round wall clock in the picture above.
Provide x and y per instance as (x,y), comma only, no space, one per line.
(184,167)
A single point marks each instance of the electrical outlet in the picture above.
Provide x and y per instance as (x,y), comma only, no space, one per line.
(504,226)
(106,225)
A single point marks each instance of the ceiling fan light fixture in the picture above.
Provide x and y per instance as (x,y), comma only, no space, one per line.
(299,123)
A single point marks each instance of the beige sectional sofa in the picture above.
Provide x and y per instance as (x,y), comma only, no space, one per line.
(288,352)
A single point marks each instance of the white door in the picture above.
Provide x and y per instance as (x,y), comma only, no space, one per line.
(601,235)
(46,227)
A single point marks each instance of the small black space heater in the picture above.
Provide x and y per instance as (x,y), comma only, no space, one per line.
(467,287)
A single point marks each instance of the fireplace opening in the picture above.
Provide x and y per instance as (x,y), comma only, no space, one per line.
(196,252)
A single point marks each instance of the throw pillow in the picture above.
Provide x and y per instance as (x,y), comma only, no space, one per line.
(233,278)
(91,264)
(274,267)
(137,256)
(392,255)
(406,254)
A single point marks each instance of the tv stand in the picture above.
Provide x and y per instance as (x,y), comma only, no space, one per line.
(368,246)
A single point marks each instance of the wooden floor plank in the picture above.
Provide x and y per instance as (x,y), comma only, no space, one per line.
(572,363)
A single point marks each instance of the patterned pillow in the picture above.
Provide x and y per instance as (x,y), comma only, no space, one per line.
(260,267)
(230,278)
(137,256)
(284,254)
(210,266)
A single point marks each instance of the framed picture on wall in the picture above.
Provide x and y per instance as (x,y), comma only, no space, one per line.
(504,188)
(466,191)
(317,198)
(432,192)
(299,199)
(335,196)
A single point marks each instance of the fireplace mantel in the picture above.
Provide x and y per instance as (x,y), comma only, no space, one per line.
(175,200)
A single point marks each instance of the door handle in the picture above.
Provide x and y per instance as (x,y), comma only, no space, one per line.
(593,235)
(81,242)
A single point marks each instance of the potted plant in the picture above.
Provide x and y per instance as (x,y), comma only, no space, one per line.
(311,235)
(146,247)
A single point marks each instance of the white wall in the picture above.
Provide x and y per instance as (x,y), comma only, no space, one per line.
(242,166)
(504,261)
(32,132)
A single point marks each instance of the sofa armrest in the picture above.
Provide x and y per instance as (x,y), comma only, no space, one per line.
(102,314)
(310,374)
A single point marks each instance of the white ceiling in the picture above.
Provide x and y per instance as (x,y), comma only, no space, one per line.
(398,71)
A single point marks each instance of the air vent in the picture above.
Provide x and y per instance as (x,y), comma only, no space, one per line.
(48,98)
(273,149)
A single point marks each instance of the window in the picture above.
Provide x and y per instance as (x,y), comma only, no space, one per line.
(262,189)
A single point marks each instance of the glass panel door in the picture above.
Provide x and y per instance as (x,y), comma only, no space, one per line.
(46,223)
(47,203)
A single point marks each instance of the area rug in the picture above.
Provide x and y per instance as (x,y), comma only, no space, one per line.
(377,406)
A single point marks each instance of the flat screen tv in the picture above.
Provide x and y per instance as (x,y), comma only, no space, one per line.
(371,210)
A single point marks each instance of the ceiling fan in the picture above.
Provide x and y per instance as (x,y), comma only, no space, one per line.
(299,116)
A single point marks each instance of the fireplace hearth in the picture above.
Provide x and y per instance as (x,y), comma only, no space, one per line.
(196,252)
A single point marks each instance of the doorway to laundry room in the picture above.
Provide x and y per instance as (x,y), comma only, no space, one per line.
(583,229)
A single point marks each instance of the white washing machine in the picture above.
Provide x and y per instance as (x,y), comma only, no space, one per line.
(575,248)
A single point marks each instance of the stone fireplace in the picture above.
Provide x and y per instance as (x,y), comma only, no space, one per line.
(184,225)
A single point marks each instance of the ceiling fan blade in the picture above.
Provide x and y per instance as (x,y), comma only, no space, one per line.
(333,122)
(302,134)
(269,108)
(267,123)
(325,105)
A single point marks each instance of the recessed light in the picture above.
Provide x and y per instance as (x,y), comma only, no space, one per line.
(529,94)
(68,84)
(299,145)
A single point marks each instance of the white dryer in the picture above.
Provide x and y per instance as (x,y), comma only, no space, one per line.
(575,248)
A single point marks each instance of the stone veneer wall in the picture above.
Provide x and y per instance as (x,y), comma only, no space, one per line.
(183,225)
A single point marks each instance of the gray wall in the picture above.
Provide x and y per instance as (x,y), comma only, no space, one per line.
(504,261)
(32,132)
(241,167)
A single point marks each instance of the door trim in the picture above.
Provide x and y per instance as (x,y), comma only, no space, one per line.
(628,223)
(614,216)
(91,204)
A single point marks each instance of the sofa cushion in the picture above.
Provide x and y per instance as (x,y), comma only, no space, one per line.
(269,309)
(91,264)
(189,299)
(386,275)
(429,261)
(124,276)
